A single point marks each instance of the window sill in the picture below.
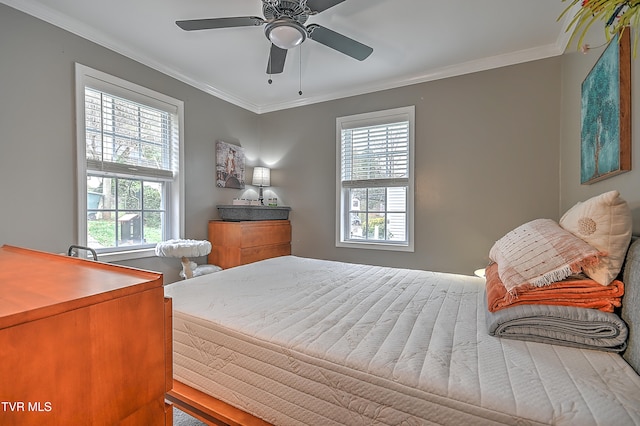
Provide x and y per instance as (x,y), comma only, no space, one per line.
(126,255)
(375,246)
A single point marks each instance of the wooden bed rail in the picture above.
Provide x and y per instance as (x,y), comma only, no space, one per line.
(208,409)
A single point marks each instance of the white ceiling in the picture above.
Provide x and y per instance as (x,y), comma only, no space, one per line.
(413,41)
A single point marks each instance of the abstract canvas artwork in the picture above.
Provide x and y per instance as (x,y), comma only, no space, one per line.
(605,147)
(229,165)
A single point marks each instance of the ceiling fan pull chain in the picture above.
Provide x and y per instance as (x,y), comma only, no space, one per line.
(269,70)
(300,69)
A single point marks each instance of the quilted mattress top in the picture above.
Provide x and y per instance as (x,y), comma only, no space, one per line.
(420,331)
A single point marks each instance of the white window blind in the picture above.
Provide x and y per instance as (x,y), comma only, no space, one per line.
(376,156)
(128,138)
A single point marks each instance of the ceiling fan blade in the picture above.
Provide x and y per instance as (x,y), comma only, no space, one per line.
(318,6)
(277,57)
(213,23)
(339,42)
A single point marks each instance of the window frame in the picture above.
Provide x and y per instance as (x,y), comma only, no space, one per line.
(174,189)
(343,203)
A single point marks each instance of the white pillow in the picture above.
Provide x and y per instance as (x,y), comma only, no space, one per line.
(605,223)
(540,253)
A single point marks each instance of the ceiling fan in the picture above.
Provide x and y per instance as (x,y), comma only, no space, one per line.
(285,29)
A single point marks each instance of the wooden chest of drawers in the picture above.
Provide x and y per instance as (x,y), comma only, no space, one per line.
(239,243)
(82,342)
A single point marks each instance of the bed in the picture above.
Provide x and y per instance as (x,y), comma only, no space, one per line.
(293,341)
(299,341)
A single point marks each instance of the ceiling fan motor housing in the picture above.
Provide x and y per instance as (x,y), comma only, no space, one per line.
(295,10)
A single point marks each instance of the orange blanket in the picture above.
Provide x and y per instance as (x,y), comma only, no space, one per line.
(582,293)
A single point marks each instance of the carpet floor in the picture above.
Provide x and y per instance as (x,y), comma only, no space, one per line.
(180,418)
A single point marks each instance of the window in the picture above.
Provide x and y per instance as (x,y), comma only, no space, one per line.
(129,146)
(375,180)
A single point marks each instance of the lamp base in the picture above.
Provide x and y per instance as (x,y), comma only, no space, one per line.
(261,197)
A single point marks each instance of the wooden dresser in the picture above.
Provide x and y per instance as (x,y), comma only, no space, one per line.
(239,243)
(82,342)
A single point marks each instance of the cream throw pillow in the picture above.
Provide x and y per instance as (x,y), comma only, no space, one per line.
(604,222)
(539,253)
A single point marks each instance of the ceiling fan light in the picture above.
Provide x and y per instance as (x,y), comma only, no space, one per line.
(285,34)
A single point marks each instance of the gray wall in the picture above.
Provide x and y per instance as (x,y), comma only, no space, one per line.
(487,149)
(37,135)
(486,161)
(575,67)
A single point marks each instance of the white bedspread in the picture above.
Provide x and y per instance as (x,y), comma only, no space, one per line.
(303,341)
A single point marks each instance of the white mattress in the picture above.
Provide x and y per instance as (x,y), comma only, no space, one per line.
(303,341)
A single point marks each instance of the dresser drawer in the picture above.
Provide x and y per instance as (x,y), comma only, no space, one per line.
(253,254)
(239,243)
(268,233)
(249,234)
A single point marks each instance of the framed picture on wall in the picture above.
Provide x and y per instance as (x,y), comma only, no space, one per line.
(605,138)
(229,165)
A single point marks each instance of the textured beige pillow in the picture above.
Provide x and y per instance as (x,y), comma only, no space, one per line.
(539,253)
(604,222)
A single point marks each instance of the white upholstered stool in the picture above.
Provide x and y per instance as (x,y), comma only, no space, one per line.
(184,249)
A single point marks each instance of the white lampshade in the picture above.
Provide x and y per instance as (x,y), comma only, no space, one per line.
(261,176)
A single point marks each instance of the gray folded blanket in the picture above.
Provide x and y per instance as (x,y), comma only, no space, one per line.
(560,325)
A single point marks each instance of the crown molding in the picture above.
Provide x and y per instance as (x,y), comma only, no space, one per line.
(82,30)
(470,67)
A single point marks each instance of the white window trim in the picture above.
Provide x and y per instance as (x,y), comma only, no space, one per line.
(363,120)
(84,75)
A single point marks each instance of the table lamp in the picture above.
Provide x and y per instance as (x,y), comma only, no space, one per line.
(261,178)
